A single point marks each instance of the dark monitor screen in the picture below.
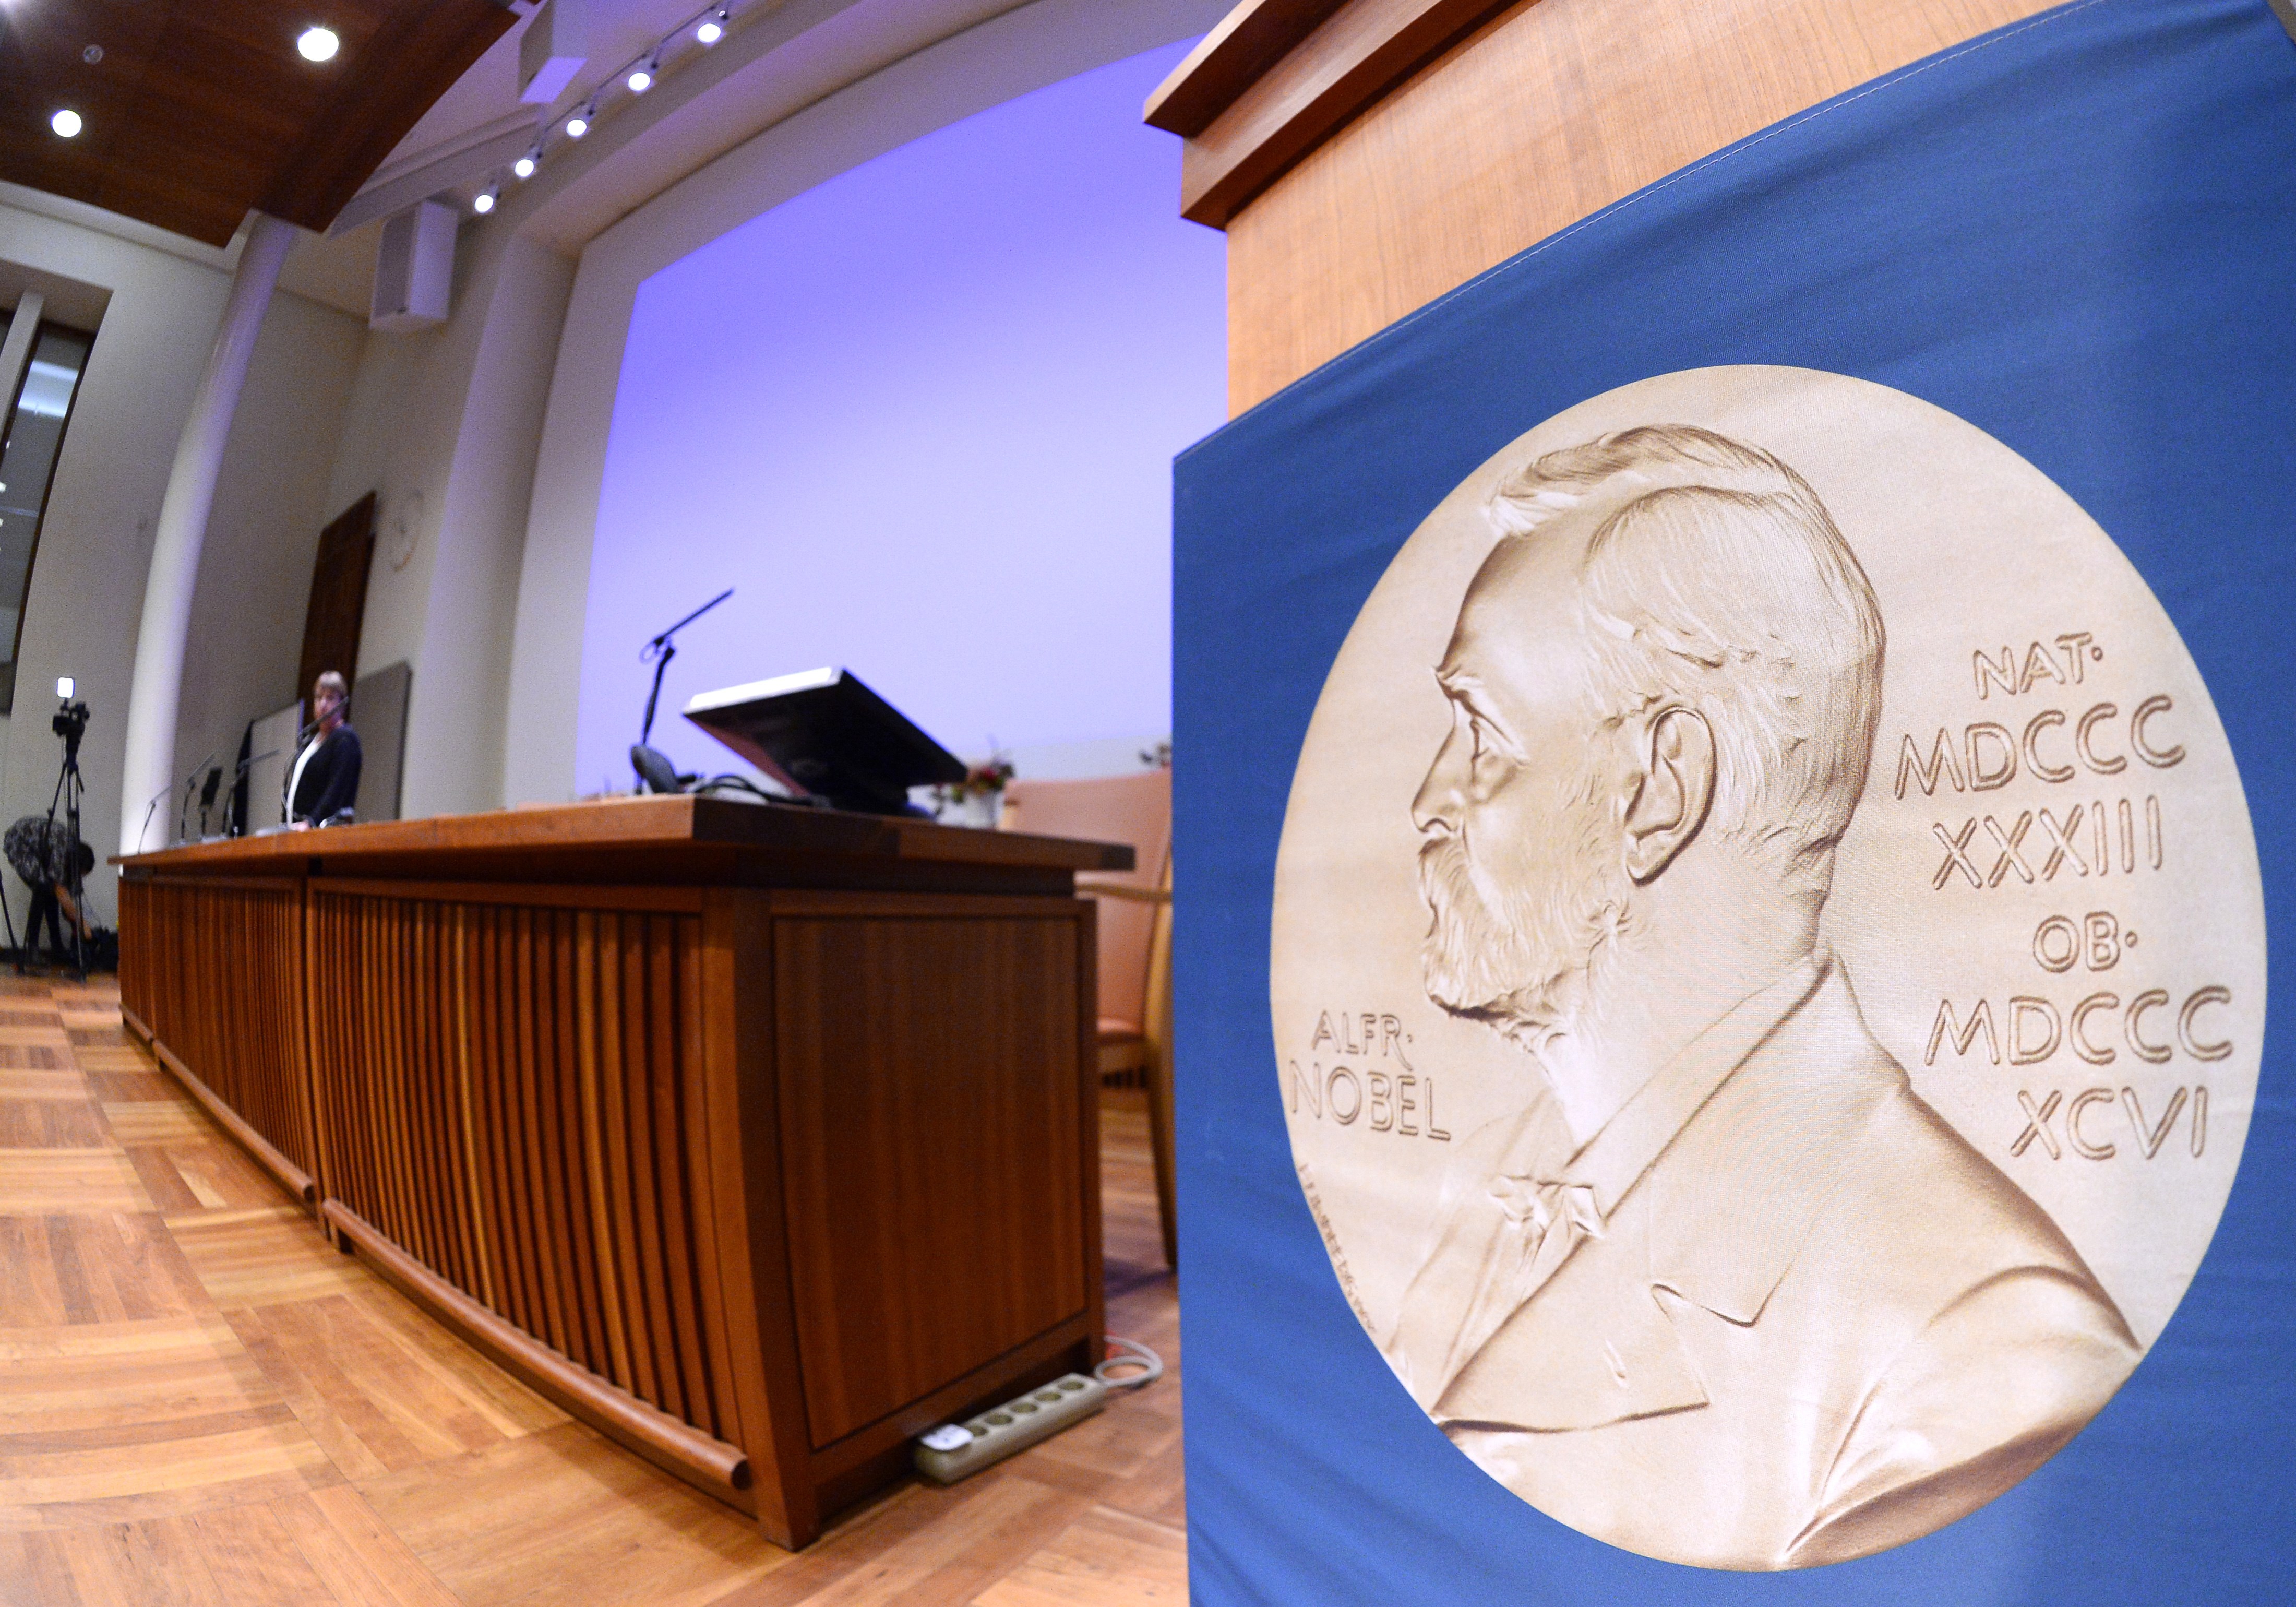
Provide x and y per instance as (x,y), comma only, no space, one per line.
(821,731)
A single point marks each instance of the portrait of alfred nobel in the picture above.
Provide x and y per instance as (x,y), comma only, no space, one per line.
(1724,1290)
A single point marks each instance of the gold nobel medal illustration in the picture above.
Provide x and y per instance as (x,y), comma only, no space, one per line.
(1768,967)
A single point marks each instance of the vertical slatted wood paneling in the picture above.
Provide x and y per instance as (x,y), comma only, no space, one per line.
(510,1092)
(214,968)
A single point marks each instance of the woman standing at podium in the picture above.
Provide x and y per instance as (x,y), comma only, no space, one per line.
(324,783)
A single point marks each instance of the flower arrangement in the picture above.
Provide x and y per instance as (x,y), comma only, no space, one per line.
(984,779)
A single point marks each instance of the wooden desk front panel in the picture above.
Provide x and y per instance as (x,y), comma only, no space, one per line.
(939,1201)
(213,969)
(512,1095)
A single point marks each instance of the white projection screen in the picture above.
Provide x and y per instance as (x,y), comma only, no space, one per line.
(921,417)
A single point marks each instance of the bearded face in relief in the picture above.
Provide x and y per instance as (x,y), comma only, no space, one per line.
(1521,863)
(1664,585)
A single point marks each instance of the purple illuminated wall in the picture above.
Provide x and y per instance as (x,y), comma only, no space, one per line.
(922,417)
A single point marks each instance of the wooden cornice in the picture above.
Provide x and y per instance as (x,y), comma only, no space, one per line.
(1277,78)
(1229,60)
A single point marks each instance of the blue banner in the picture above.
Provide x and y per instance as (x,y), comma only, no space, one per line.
(2062,255)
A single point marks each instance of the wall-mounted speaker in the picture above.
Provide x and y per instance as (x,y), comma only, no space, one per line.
(414,272)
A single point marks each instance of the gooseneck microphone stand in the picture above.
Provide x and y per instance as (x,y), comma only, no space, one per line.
(184,809)
(245,765)
(655,772)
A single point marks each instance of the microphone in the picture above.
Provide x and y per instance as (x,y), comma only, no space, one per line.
(252,759)
(190,782)
(310,727)
(656,774)
(150,809)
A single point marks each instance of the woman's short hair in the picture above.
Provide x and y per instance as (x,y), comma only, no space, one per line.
(331,680)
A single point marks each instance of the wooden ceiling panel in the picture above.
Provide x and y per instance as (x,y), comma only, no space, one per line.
(372,112)
(202,108)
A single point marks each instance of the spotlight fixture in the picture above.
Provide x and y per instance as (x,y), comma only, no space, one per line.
(66,122)
(483,202)
(641,79)
(525,164)
(578,124)
(318,44)
(713,27)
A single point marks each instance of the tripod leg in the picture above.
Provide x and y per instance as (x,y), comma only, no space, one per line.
(75,884)
(8,916)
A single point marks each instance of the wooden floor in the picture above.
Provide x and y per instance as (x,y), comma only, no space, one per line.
(201,1401)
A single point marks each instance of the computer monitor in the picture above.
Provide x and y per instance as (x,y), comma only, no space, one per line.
(823,733)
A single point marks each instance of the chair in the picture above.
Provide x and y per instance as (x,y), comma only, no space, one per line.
(1136,935)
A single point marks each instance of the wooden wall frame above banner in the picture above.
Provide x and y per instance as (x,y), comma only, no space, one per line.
(1277,77)
(1368,156)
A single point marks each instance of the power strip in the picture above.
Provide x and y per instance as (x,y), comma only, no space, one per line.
(948,1453)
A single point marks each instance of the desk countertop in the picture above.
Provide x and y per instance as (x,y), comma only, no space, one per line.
(685,837)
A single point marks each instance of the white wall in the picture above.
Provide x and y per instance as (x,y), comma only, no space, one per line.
(87,592)
(442,426)
(272,500)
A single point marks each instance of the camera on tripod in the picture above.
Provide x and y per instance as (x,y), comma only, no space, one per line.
(47,852)
(70,721)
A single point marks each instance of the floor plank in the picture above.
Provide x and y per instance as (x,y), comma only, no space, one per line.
(33,1181)
(155,1120)
(358,1557)
(118,1267)
(51,1124)
(565,1517)
(47,1082)
(264,1255)
(1104,1559)
(362,1378)
(252,1555)
(215,1173)
(156,1564)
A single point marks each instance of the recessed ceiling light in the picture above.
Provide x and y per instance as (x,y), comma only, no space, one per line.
(65,122)
(318,44)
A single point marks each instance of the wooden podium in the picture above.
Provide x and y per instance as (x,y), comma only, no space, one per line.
(760,1138)
(1365,155)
